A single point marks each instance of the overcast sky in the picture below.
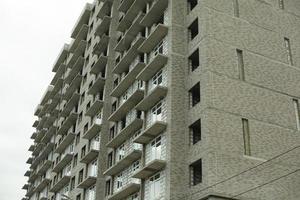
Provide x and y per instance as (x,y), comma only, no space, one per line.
(31,35)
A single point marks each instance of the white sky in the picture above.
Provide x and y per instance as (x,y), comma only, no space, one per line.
(32,32)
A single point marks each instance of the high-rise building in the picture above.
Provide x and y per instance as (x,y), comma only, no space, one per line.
(173,100)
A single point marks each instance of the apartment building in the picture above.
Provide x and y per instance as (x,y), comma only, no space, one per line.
(172,99)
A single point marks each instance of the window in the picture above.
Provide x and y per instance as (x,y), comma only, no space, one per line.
(78,197)
(192,4)
(288,50)
(196,172)
(75,160)
(112,132)
(246,136)
(156,148)
(240,59)
(281,4)
(193,30)
(79,117)
(107,187)
(155,186)
(86,127)
(120,152)
(88,105)
(296,107)
(194,60)
(114,107)
(236,8)
(80,176)
(157,112)
(157,78)
(195,132)
(109,159)
(119,180)
(83,151)
(194,95)
(77,139)
(72,185)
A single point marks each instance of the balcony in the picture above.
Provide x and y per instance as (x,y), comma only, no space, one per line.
(69,121)
(151,132)
(123,109)
(88,182)
(29,160)
(125,133)
(131,14)
(33,166)
(27,173)
(101,46)
(61,183)
(75,84)
(48,135)
(45,166)
(150,169)
(42,184)
(155,12)
(91,154)
(125,191)
(38,110)
(58,85)
(80,36)
(74,70)
(154,38)
(35,123)
(79,51)
(128,80)
(70,105)
(40,134)
(49,147)
(95,107)
(45,106)
(94,129)
(83,19)
(125,162)
(125,5)
(25,186)
(155,95)
(130,55)
(152,67)
(103,26)
(30,191)
(65,142)
(31,148)
(99,65)
(65,159)
(59,73)
(38,149)
(50,120)
(53,103)
(61,58)
(105,10)
(32,177)
(97,86)
(130,34)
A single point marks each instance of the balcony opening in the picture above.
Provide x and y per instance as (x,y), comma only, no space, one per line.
(196,172)
(194,95)
(78,197)
(192,4)
(195,132)
(194,62)
(193,30)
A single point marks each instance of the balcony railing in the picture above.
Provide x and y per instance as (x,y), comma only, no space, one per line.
(94,129)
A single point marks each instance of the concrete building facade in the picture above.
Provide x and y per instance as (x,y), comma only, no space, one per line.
(173,100)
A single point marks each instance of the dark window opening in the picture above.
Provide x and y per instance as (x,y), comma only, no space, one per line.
(195,95)
(193,30)
(196,172)
(195,131)
(194,60)
(192,4)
